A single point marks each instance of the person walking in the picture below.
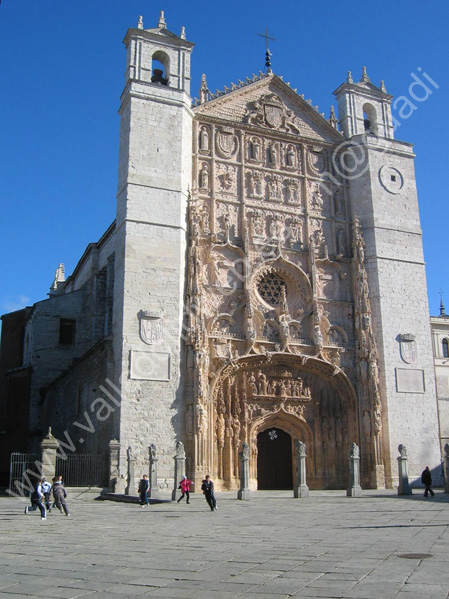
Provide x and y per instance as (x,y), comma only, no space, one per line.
(207,487)
(184,485)
(46,490)
(36,500)
(59,495)
(144,487)
(426,479)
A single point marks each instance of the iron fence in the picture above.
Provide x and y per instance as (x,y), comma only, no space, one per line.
(24,468)
(77,470)
(82,470)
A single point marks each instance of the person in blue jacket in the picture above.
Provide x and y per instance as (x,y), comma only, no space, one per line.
(37,497)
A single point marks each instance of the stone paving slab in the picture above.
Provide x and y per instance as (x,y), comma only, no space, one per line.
(272,547)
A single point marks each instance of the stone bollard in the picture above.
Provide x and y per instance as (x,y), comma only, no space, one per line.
(244,492)
(114,466)
(301,489)
(180,469)
(354,489)
(130,487)
(153,471)
(404,487)
(446,468)
(49,447)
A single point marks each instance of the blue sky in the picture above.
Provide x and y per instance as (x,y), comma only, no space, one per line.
(62,72)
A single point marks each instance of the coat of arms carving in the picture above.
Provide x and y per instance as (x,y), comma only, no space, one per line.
(270,111)
(409,352)
(227,142)
(151,327)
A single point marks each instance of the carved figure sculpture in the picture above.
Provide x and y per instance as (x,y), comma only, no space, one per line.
(341,242)
(204,177)
(204,139)
(255,149)
(300,448)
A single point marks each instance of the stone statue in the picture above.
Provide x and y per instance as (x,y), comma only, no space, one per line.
(354,452)
(300,448)
(221,429)
(153,451)
(252,384)
(318,336)
(341,243)
(204,139)
(403,451)
(291,158)
(180,451)
(338,204)
(273,155)
(204,177)
(245,451)
(262,383)
(255,149)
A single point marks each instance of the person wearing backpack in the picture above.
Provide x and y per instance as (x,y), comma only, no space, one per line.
(36,500)
(46,490)
(59,495)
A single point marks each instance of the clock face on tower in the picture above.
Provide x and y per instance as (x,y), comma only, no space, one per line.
(391,179)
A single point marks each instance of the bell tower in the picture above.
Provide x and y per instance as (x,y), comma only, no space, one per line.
(155,158)
(381,179)
(364,108)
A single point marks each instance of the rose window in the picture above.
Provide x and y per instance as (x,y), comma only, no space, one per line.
(270,288)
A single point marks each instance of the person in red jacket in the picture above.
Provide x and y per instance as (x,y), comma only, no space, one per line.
(184,485)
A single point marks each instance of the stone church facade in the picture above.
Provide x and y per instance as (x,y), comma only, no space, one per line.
(263,282)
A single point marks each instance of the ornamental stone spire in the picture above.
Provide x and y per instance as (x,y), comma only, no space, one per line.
(365,77)
(162,24)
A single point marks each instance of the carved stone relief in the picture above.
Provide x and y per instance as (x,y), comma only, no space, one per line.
(227,217)
(151,327)
(255,184)
(257,224)
(254,152)
(270,111)
(274,188)
(227,178)
(316,161)
(315,197)
(226,142)
(292,191)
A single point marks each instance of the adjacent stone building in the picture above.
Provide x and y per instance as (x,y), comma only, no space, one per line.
(263,282)
(440,341)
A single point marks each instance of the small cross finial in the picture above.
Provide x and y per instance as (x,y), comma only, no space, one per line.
(442,310)
(267,53)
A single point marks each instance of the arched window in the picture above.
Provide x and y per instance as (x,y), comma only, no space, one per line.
(370,118)
(445,345)
(160,68)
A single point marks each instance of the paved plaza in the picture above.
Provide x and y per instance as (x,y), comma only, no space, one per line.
(272,547)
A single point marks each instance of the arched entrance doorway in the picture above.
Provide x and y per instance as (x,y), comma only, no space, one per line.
(274,459)
(305,397)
